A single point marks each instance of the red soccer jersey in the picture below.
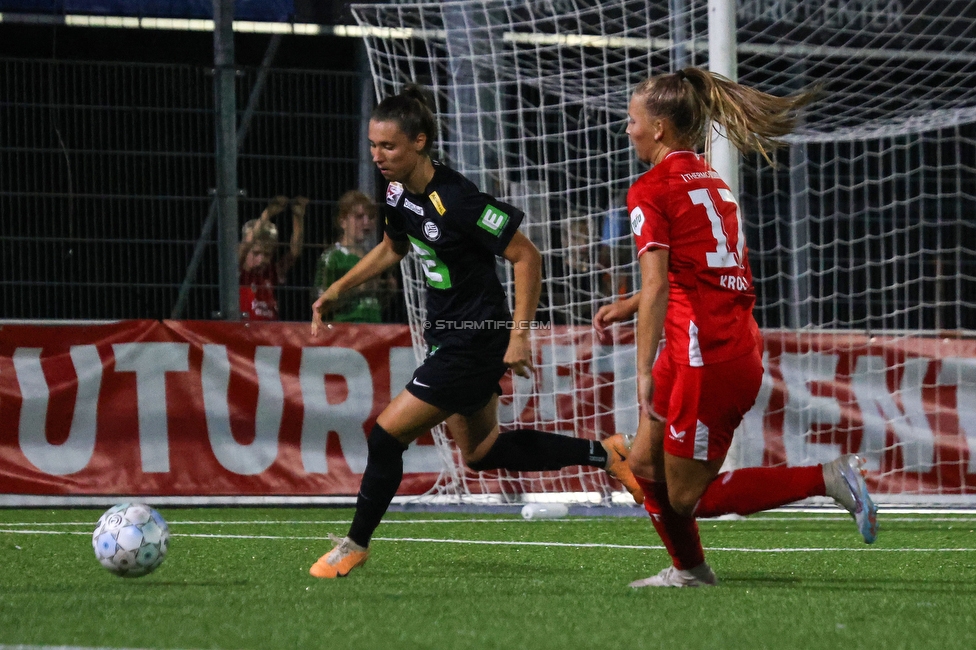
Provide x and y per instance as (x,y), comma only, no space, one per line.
(683,205)
(257,294)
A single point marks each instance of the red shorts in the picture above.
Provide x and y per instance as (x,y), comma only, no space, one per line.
(702,406)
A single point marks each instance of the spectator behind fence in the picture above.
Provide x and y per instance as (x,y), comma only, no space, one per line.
(261,269)
(356,228)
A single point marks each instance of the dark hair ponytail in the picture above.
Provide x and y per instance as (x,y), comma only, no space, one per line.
(411,112)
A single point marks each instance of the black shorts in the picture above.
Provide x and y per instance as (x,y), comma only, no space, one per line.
(459,382)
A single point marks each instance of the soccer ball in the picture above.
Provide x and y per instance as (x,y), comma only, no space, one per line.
(131,540)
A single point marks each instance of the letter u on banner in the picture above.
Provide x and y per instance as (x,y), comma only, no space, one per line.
(150,362)
(74,453)
(256,457)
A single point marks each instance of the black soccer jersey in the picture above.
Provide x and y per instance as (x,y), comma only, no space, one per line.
(456,231)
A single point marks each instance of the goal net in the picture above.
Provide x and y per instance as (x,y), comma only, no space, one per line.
(862,238)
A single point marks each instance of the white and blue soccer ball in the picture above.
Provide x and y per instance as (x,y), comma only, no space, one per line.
(131,540)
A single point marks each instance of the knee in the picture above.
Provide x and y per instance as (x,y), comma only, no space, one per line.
(477,462)
(381,444)
(683,500)
(640,467)
(491,453)
(651,468)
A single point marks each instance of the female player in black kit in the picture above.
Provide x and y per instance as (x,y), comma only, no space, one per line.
(457,231)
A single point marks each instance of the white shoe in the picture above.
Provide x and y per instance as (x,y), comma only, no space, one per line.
(844,480)
(701,576)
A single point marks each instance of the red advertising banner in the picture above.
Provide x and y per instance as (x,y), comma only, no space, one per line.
(198,408)
(907,404)
(180,408)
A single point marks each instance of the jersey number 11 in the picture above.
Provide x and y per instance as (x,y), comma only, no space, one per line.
(723,257)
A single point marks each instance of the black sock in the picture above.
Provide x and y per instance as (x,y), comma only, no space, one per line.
(384,471)
(528,450)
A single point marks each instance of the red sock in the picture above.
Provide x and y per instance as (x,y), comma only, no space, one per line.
(679,534)
(754,489)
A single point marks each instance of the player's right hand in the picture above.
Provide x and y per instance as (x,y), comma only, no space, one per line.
(607,315)
(518,356)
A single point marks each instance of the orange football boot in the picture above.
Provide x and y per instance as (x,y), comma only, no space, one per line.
(617,465)
(337,563)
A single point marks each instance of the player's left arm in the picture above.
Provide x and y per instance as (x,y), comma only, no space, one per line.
(527,267)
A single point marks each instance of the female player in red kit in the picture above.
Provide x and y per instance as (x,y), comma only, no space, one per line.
(697,290)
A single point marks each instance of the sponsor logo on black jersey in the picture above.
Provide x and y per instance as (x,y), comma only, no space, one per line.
(413,207)
(493,220)
(438,204)
(431,231)
(393,192)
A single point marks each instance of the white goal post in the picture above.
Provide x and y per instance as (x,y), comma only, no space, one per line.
(862,239)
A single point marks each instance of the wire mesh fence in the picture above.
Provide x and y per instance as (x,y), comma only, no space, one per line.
(107,176)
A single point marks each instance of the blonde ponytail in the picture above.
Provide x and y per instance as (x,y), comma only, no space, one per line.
(693,98)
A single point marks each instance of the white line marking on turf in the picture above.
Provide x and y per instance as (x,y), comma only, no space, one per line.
(279,522)
(432,540)
(57,647)
(22,531)
(649,548)
(505,520)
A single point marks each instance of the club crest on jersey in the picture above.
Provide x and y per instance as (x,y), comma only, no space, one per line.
(438,205)
(431,231)
(413,207)
(636,220)
(393,192)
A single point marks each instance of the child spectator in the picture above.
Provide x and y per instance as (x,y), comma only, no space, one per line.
(356,225)
(261,270)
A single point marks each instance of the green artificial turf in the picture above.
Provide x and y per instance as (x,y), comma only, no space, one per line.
(238,578)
